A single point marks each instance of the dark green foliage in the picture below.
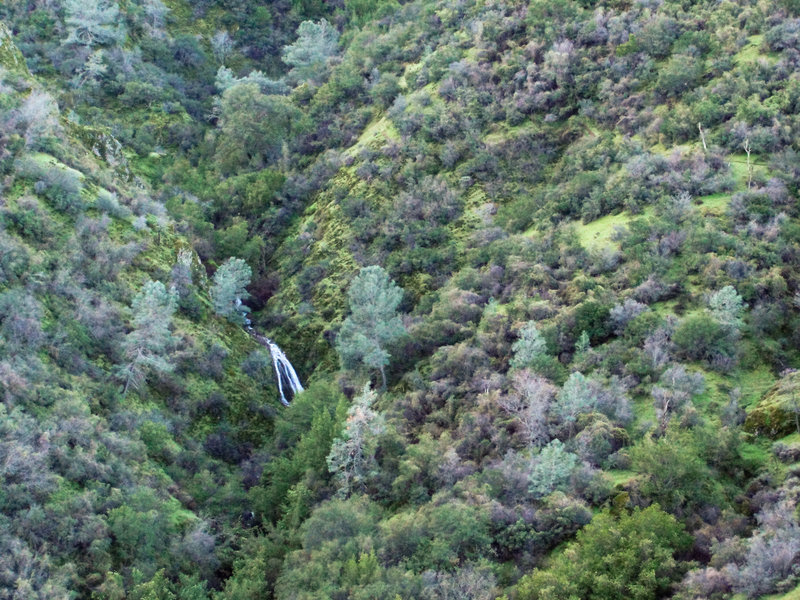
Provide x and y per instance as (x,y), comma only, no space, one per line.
(700,337)
(679,75)
(305,467)
(593,318)
(253,127)
(675,472)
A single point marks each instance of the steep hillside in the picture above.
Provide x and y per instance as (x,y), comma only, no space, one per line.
(537,262)
(120,460)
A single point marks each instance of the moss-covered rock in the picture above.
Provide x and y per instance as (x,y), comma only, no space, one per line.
(10,56)
(776,413)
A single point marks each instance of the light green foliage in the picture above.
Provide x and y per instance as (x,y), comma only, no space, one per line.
(226,79)
(229,290)
(574,399)
(10,56)
(727,306)
(316,42)
(777,412)
(62,188)
(551,469)
(352,456)
(529,347)
(361,11)
(93,22)
(627,558)
(147,346)
(583,345)
(157,588)
(373,323)
(675,472)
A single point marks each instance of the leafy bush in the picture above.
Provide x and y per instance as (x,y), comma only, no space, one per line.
(630,556)
(62,188)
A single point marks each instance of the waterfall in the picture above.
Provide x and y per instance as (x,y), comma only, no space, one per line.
(288,381)
(284,371)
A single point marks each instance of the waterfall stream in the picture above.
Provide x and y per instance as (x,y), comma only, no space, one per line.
(288,381)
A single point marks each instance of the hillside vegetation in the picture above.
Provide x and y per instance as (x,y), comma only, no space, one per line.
(537,264)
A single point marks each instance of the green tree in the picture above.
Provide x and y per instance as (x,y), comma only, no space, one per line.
(551,469)
(229,290)
(373,322)
(575,398)
(701,337)
(529,348)
(316,42)
(361,11)
(727,306)
(627,558)
(675,473)
(679,75)
(158,588)
(146,347)
(253,127)
(582,345)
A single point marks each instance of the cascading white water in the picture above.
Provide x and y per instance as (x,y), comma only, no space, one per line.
(288,381)
(284,371)
(287,378)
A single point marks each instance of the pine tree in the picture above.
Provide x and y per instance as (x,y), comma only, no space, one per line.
(316,42)
(373,322)
(146,347)
(551,469)
(229,290)
(529,347)
(575,398)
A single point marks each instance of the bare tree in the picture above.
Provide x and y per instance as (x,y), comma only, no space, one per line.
(352,455)
(468,583)
(222,45)
(675,390)
(747,149)
(529,402)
